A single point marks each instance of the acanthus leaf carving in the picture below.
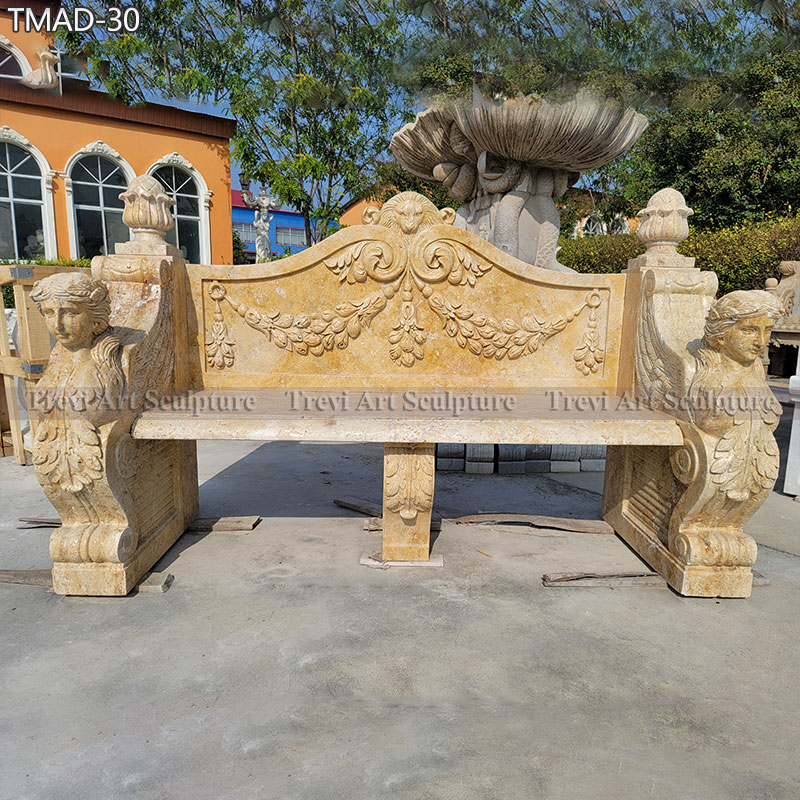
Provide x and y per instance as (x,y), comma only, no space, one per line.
(408,480)
(100,148)
(175,160)
(68,454)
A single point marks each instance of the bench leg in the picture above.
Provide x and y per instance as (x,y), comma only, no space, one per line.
(120,517)
(670,505)
(408,476)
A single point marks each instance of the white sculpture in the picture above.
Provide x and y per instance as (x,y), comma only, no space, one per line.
(262,204)
(506,162)
(46,76)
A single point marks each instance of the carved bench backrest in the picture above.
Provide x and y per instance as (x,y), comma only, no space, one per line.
(403,300)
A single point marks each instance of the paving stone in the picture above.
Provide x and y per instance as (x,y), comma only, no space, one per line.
(538,465)
(511,452)
(479,467)
(565,452)
(593,451)
(593,464)
(537,452)
(480,452)
(565,466)
(450,450)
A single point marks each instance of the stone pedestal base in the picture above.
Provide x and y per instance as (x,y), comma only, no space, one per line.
(687,580)
(113,579)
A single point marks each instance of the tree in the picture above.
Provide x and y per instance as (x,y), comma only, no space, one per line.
(391,179)
(239,255)
(717,78)
(318,87)
(308,81)
(732,150)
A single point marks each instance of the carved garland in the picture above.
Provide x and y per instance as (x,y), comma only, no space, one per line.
(441,261)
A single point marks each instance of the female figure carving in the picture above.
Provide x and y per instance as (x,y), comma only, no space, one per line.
(729,396)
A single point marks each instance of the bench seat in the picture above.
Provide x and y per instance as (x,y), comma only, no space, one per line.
(267,414)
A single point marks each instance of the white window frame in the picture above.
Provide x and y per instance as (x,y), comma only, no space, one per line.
(177,160)
(18,55)
(98,148)
(249,225)
(48,210)
(290,228)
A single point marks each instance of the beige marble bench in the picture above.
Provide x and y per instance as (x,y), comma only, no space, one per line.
(154,354)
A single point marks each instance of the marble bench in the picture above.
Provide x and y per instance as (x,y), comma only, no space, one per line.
(408,331)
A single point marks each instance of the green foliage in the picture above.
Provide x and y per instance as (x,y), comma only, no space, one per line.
(599,253)
(318,86)
(743,256)
(392,179)
(8,297)
(731,148)
(239,256)
(636,50)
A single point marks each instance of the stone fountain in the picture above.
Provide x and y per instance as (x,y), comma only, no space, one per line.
(504,163)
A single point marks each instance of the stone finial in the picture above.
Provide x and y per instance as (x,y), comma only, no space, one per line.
(664,226)
(147,210)
(664,221)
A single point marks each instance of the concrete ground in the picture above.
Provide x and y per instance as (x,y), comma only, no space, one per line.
(276,667)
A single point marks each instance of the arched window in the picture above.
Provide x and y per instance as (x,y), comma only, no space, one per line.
(21,205)
(97,183)
(181,187)
(594,226)
(9,66)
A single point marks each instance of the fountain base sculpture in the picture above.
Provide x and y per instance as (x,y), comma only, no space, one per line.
(506,162)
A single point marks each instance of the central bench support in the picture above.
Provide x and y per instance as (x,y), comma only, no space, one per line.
(408,475)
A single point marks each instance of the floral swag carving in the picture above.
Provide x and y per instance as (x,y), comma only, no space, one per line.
(424,259)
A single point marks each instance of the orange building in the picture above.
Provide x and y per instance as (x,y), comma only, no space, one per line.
(66,153)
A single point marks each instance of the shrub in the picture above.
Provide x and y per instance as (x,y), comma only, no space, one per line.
(8,291)
(743,256)
(600,253)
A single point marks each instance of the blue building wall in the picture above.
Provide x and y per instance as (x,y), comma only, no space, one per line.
(280,219)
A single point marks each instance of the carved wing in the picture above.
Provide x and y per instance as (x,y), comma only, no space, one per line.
(68,453)
(152,359)
(658,369)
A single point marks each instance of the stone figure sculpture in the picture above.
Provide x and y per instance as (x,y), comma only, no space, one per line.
(82,389)
(46,75)
(115,334)
(729,397)
(262,202)
(505,163)
(697,359)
